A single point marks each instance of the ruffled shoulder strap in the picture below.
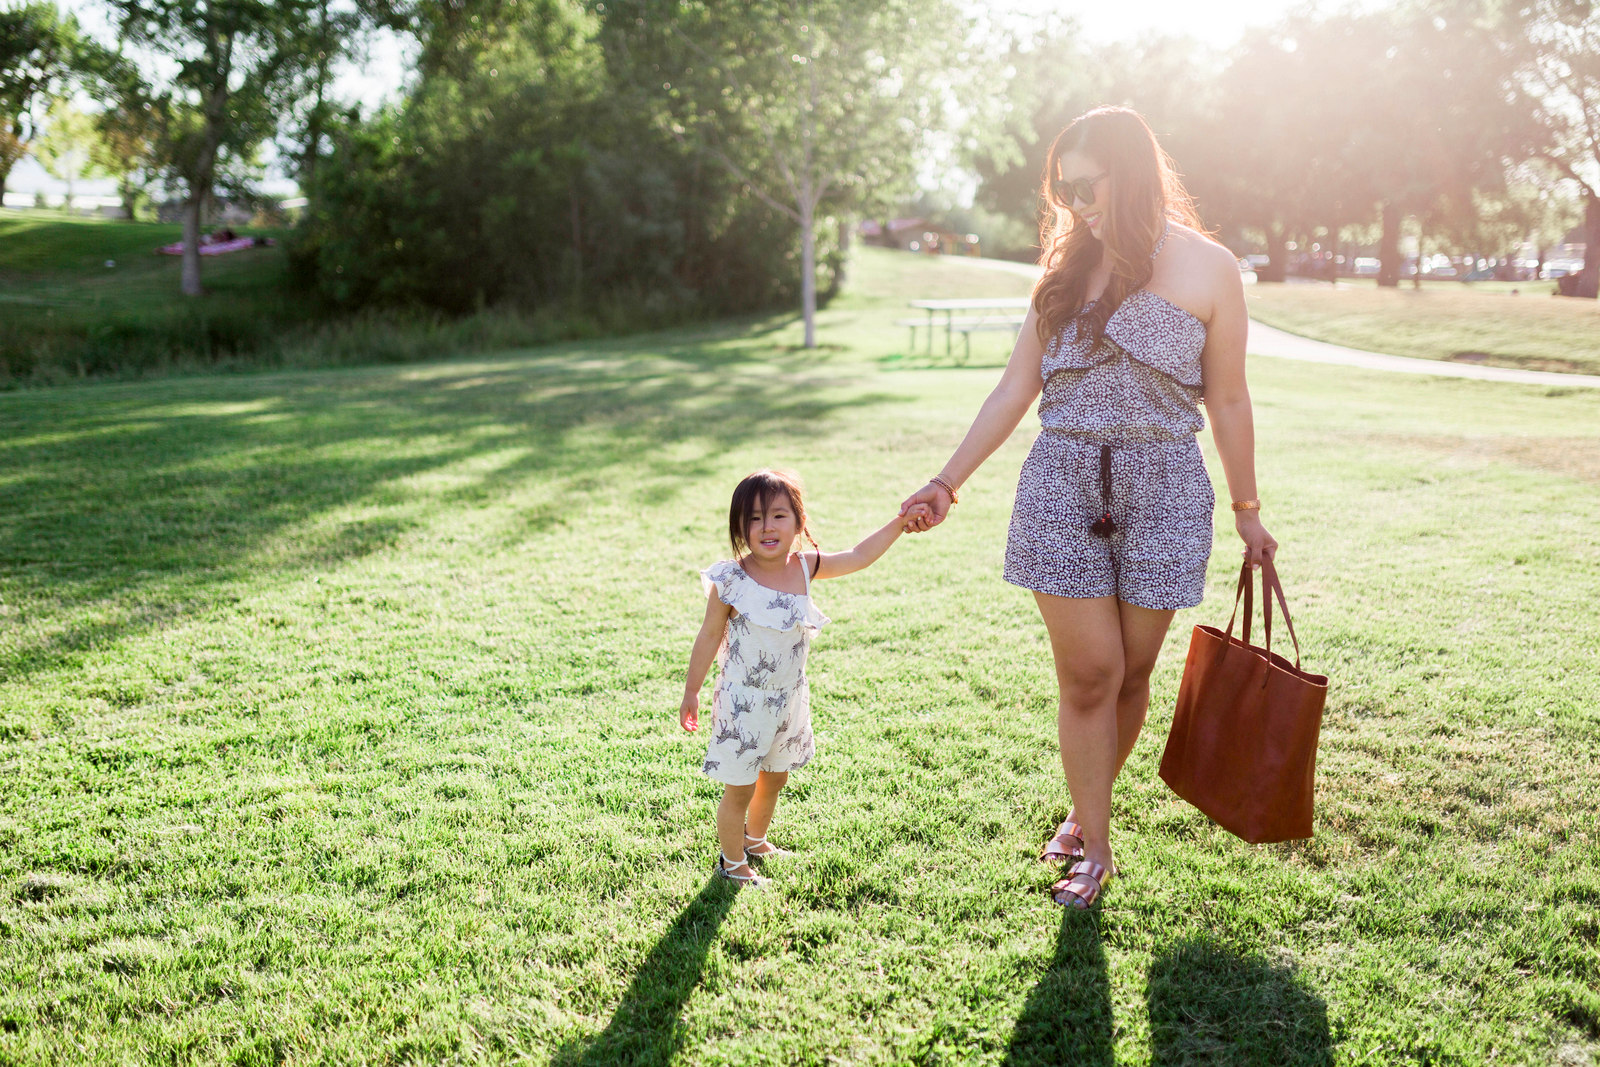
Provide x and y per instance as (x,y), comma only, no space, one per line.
(764,607)
(726,577)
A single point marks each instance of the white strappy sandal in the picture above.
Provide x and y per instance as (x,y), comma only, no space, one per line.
(753,849)
(725,867)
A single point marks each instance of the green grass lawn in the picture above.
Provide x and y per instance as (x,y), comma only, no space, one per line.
(338,724)
(1469,323)
(88,296)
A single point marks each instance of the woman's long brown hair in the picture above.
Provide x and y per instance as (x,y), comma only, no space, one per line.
(1145,193)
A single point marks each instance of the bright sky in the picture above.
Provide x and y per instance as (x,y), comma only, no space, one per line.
(1218,23)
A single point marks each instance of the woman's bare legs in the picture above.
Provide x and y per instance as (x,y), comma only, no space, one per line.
(1104,652)
(1143,632)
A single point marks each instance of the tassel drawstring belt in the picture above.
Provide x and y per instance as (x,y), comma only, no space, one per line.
(1104,526)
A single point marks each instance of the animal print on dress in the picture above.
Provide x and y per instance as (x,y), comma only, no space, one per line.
(1138,390)
(761,704)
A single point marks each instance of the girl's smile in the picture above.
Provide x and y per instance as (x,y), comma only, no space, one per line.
(772,530)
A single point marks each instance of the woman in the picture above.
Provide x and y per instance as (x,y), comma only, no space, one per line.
(1137,316)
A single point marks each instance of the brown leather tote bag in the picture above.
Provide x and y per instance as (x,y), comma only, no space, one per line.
(1243,746)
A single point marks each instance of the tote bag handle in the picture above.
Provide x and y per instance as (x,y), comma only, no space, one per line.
(1270,586)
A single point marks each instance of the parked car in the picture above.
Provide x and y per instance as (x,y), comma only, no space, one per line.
(1560,268)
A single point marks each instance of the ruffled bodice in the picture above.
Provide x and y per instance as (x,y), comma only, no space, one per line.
(770,634)
(1141,382)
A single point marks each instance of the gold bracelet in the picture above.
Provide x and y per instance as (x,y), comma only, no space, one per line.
(947,487)
(1247,505)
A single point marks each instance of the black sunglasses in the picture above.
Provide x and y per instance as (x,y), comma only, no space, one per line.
(1071,192)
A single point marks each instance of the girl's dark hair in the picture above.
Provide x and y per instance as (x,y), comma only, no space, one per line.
(1146,192)
(755,491)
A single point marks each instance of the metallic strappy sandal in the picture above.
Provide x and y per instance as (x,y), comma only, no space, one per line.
(1056,850)
(1082,885)
(759,848)
(725,867)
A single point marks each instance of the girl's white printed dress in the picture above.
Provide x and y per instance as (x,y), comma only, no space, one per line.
(761,706)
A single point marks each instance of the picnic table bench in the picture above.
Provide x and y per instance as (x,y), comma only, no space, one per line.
(994,319)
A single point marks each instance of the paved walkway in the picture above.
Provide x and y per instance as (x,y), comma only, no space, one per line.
(1268,341)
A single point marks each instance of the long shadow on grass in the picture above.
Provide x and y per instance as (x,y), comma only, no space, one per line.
(646,1027)
(131,508)
(1209,1004)
(1067,1019)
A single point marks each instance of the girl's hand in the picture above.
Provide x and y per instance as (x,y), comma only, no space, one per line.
(919,513)
(689,712)
(1258,544)
(935,499)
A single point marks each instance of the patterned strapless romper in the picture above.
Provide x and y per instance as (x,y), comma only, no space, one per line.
(1119,422)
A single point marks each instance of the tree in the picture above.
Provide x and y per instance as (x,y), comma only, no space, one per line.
(38,49)
(1257,171)
(1449,146)
(69,148)
(129,126)
(236,59)
(1039,81)
(1560,72)
(804,102)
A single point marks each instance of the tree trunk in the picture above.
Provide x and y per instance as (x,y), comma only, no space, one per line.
(1389,248)
(1589,278)
(1277,256)
(577,236)
(130,196)
(1332,272)
(1416,279)
(308,165)
(844,254)
(808,270)
(190,283)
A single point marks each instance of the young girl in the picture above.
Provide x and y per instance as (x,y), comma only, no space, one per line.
(759,623)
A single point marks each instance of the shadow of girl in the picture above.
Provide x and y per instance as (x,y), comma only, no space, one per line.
(1067,1019)
(646,1027)
(1211,1005)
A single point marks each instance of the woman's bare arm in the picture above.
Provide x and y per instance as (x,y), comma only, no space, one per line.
(1004,408)
(1228,400)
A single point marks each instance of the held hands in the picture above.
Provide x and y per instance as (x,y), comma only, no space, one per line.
(925,509)
(689,712)
(918,513)
(1258,544)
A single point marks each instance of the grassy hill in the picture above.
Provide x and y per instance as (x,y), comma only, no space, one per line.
(338,724)
(90,297)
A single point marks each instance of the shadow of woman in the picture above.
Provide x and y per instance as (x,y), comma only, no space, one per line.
(1209,1004)
(645,1028)
(1067,1018)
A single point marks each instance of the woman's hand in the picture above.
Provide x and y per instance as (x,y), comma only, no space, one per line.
(936,503)
(1258,544)
(689,712)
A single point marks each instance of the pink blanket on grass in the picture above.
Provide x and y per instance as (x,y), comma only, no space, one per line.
(219,248)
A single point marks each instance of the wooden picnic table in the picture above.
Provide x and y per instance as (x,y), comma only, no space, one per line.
(950,307)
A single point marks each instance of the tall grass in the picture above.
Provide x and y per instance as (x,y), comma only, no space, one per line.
(89,299)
